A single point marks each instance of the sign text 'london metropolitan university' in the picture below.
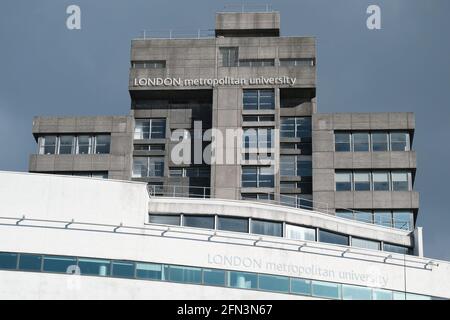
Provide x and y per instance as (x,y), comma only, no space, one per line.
(212,82)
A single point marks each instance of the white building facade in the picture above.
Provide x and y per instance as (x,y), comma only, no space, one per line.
(63,238)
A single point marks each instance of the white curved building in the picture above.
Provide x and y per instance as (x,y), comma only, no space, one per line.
(63,238)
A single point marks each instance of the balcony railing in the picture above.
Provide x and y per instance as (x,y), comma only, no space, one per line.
(183,191)
(247,7)
(176,34)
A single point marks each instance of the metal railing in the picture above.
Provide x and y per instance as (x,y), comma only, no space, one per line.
(184,191)
(247,7)
(176,34)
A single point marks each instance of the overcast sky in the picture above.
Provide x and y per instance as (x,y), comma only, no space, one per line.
(45,69)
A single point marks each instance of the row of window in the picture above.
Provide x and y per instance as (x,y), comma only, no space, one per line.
(202,172)
(360,180)
(89,174)
(272,228)
(229,57)
(398,219)
(149,147)
(71,144)
(230,60)
(148,64)
(255,118)
(371,141)
(195,275)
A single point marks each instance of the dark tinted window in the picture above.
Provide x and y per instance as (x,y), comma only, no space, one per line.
(164,219)
(331,237)
(59,264)
(30,262)
(206,222)
(232,224)
(8,260)
(267,228)
(123,269)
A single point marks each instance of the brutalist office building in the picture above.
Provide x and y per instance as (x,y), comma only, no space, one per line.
(244,78)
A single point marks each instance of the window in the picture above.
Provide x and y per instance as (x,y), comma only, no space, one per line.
(149,271)
(149,147)
(30,262)
(361,142)
(365,244)
(343,181)
(59,264)
(395,248)
(380,294)
(300,233)
(297,62)
(296,166)
(252,118)
(301,286)
(380,181)
(164,219)
(229,56)
(205,222)
(66,144)
(257,177)
(363,216)
(94,267)
(296,127)
(150,129)
(344,213)
(331,237)
(304,166)
(256,63)
(382,218)
(149,64)
(326,290)
(258,138)
(212,277)
(303,201)
(123,269)
(362,181)
(243,280)
(356,293)
(380,141)
(400,141)
(273,283)
(232,224)
(267,228)
(148,167)
(8,261)
(342,142)
(102,144)
(262,99)
(403,220)
(48,145)
(184,274)
(400,181)
(84,144)
(288,166)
